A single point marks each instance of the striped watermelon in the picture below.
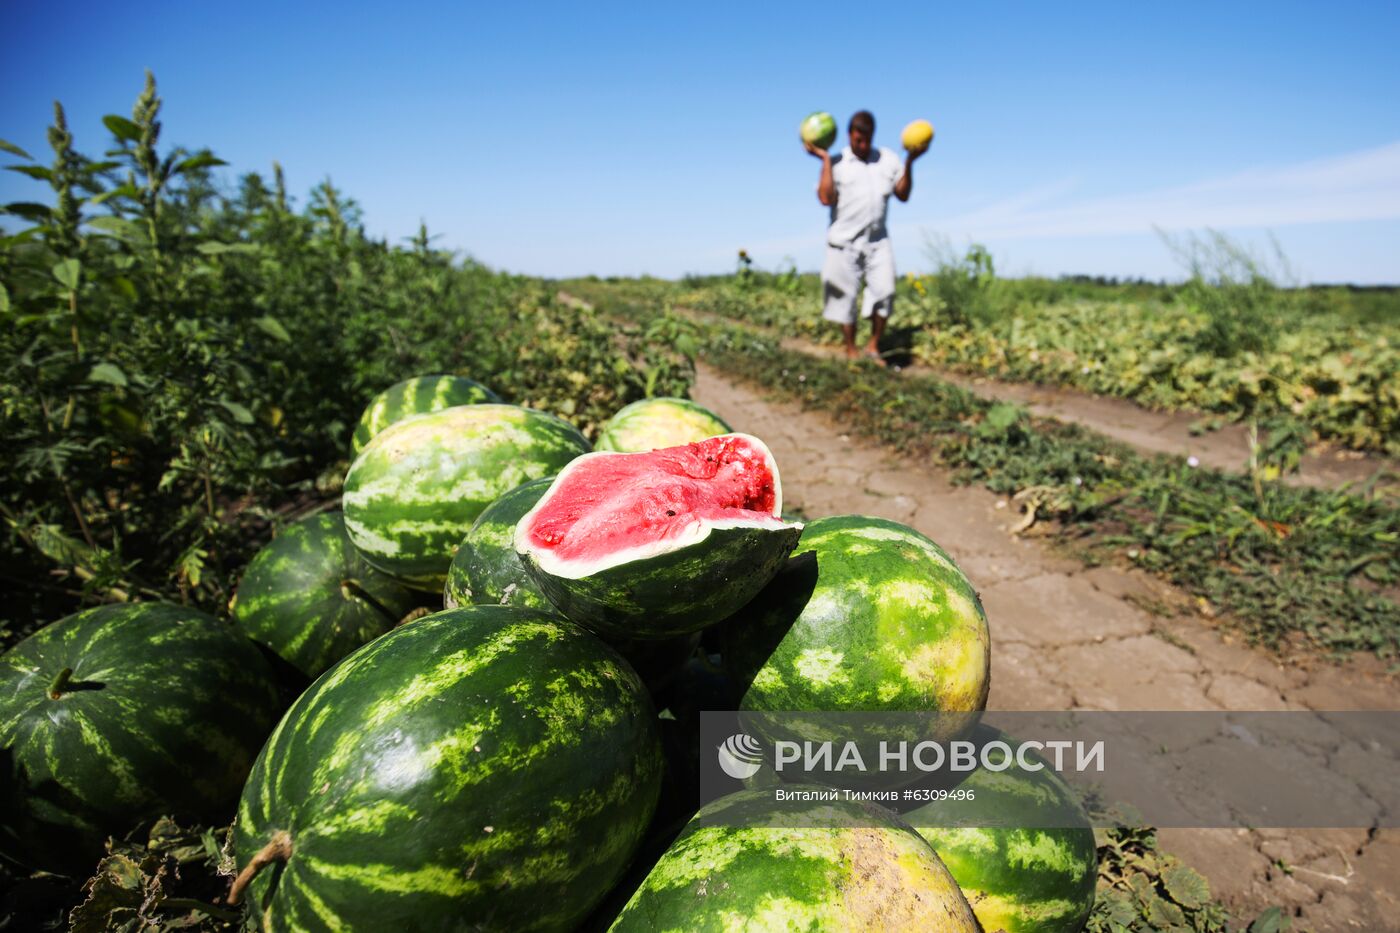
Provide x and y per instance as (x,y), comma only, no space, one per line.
(310,598)
(486,568)
(870,615)
(118,715)
(1022,850)
(414,491)
(413,397)
(487,571)
(650,545)
(653,423)
(487,768)
(811,866)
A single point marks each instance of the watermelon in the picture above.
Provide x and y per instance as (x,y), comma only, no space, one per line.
(118,715)
(819,129)
(650,545)
(311,599)
(869,615)
(1022,849)
(414,397)
(487,571)
(811,866)
(654,423)
(489,767)
(486,568)
(414,491)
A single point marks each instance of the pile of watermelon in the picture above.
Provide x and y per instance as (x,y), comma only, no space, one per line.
(488,668)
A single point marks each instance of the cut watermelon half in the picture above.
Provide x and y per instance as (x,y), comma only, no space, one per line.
(650,545)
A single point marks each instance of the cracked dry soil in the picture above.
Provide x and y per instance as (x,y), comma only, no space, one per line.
(1069,637)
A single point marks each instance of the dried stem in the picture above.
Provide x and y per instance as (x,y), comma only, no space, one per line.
(278,850)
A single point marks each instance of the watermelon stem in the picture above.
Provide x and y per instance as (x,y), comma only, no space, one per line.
(60,683)
(279,849)
(414,615)
(350,588)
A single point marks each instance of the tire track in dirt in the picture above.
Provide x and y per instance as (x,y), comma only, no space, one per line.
(1069,637)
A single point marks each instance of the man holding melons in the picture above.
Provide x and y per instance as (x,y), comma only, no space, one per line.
(856,185)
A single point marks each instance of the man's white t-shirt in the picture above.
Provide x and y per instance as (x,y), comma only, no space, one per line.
(863,192)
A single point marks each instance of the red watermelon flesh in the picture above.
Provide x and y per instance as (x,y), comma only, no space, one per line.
(606,508)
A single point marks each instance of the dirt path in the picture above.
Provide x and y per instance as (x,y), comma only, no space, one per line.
(1153,432)
(1068,637)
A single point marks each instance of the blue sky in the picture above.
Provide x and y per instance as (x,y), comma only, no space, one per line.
(632,138)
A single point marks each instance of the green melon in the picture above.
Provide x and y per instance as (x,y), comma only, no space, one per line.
(651,545)
(413,397)
(488,767)
(868,615)
(1022,849)
(118,715)
(653,423)
(311,599)
(414,491)
(741,864)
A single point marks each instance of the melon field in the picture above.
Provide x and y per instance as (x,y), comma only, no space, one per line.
(357,586)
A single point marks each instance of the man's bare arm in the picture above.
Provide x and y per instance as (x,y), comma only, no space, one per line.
(826,187)
(905,185)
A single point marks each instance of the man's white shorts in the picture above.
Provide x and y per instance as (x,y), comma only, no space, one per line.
(842,272)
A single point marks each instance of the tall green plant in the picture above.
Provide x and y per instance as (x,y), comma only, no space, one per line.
(1232,290)
(181,365)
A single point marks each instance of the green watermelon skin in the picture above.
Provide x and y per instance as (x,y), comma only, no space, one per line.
(487,768)
(486,569)
(165,711)
(840,866)
(414,397)
(654,423)
(1014,849)
(413,493)
(868,615)
(676,593)
(311,599)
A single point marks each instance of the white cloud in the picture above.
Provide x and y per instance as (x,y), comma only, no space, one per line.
(1358,186)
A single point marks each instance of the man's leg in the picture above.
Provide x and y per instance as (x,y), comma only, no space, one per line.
(839,284)
(879,293)
(877,331)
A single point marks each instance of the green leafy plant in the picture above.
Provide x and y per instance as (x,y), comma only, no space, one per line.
(182,365)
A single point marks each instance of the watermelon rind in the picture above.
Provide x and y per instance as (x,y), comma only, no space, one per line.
(416,396)
(414,491)
(163,712)
(676,592)
(869,614)
(740,864)
(664,588)
(488,767)
(1022,848)
(654,423)
(311,599)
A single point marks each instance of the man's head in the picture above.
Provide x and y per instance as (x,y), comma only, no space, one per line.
(861,131)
